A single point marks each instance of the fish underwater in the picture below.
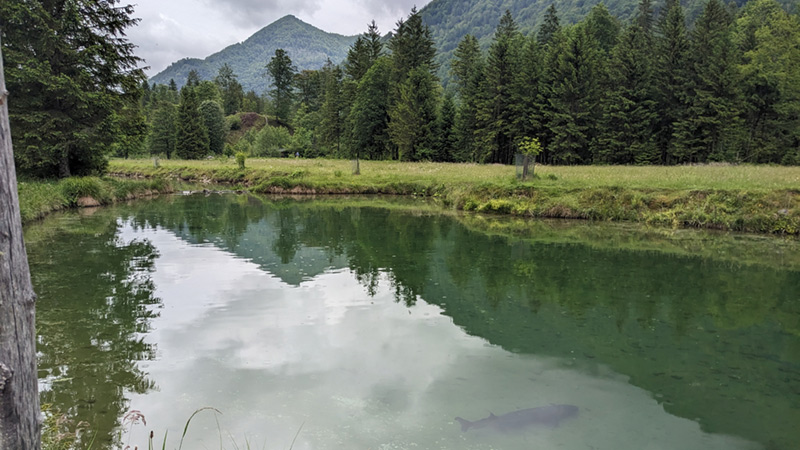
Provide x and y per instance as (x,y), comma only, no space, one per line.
(548,416)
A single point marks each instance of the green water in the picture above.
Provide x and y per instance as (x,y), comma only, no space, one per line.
(373,327)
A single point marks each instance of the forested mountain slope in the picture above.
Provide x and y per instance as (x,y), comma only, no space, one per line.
(307,46)
(450,20)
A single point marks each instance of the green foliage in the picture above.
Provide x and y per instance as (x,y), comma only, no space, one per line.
(282,73)
(495,114)
(270,141)
(74,188)
(530,146)
(70,71)
(412,124)
(363,53)
(230,89)
(369,116)
(163,131)
(214,122)
(240,159)
(309,48)
(192,136)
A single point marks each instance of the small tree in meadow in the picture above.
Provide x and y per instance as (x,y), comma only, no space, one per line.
(530,148)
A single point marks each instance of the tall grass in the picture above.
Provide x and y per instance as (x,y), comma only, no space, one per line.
(38,198)
(762,199)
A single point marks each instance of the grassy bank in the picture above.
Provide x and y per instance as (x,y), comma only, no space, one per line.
(763,199)
(37,198)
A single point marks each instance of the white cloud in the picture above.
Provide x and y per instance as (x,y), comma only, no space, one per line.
(176,29)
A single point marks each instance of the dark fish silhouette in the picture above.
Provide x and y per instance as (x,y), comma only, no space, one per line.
(549,416)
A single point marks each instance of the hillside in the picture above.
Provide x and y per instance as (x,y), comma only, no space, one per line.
(309,48)
(451,20)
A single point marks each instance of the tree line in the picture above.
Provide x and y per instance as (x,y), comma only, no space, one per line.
(657,90)
(653,91)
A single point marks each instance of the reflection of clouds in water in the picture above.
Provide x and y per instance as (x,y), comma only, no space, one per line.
(364,372)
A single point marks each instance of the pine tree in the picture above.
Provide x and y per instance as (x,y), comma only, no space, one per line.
(572,96)
(163,130)
(230,88)
(412,46)
(495,115)
(332,112)
(369,115)
(415,90)
(69,68)
(363,53)
(192,78)
(412,125)
(467,68)
(282,72)
(214,122)
(672,77)
(603,27)
(549,26)
(528,92)
(446,143)
(192,137)
(629,105)
(709,129)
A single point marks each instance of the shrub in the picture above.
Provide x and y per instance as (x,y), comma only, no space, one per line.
(270,140)
(77,187)
(240,158)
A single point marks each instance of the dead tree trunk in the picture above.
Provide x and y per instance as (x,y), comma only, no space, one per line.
(19,394)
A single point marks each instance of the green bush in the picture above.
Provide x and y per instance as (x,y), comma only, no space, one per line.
(77,187)
(270,140)
(240,158)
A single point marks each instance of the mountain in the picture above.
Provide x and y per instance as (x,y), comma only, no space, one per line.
(307,46)
(451,20)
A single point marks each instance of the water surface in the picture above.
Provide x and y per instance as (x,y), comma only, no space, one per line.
(357,327)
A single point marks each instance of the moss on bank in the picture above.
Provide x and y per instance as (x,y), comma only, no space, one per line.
(762,199)
(38,198)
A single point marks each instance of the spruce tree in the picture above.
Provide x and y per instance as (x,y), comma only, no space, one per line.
(282,72)
(332,112)
(363,53)
(369,115)
(191,136)
(629,114)
(528,92)
(415,89)
(214,122)
(412,46)
(446,142)
(710,128)
(163,130)
(672,77)
(495,114)
(549,26)
(230,88)
(69,68)
(467,68)
(412,125)
(572,93)
(603,27)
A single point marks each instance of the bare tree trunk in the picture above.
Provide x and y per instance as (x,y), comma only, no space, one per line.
(19,394)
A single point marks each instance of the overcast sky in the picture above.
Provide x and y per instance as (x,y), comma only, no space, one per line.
(173,29)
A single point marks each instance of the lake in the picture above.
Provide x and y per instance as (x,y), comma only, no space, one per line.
(373,324)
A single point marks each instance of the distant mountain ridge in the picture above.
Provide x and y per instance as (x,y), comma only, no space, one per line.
(449,21)
(307,46)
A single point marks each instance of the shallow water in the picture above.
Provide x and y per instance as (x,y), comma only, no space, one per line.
(351,327)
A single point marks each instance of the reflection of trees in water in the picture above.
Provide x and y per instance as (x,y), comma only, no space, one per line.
(659,318)
(95,301)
